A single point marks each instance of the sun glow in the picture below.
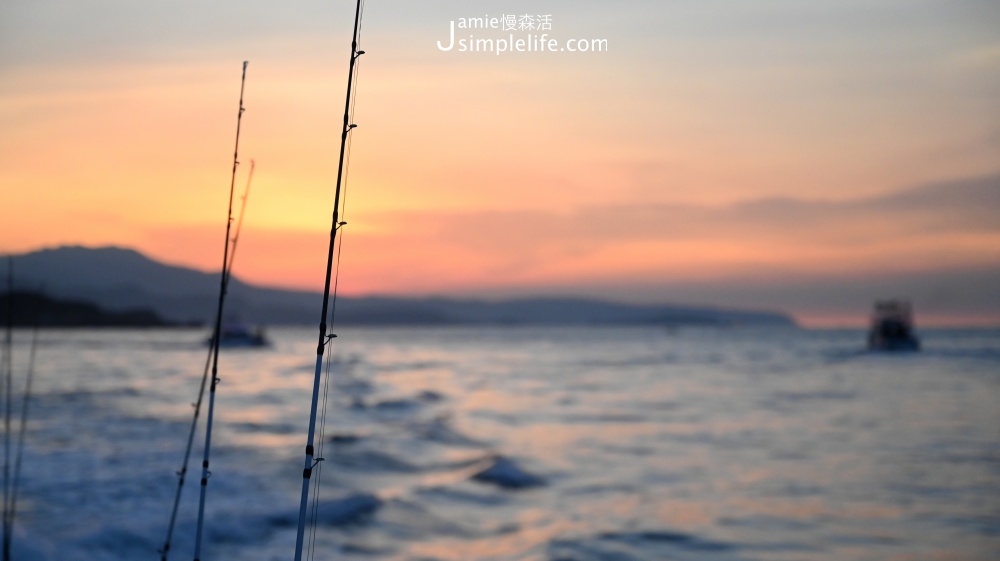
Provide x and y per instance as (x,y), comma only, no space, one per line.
(684,157)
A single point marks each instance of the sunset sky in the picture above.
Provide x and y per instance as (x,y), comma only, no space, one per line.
(809,157)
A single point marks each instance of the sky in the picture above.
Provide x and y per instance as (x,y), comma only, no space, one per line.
(809,157)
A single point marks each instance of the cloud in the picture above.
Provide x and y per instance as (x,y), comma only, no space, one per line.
(961,218)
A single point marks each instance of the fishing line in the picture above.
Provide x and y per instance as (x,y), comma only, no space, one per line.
(326,395)
(347,169)
(239,221)
(328,375)
(317,482)
(340,241)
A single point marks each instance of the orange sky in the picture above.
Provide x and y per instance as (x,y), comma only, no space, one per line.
(713,147)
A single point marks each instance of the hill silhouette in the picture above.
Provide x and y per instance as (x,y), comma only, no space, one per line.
(119,279)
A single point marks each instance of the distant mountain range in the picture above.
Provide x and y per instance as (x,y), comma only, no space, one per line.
(123,280)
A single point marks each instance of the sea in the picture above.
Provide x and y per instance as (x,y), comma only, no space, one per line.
(512,443)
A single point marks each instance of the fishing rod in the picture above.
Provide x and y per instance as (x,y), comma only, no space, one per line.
(310,461)
(217,332)
(8,375)
(165,550)
(19,453)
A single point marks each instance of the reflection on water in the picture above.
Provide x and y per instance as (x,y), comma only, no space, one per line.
(525,443)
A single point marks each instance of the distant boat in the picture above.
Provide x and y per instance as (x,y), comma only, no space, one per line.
(241,335)
(892,327)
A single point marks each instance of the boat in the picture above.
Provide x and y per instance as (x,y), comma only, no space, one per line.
(892,327)
(241,335)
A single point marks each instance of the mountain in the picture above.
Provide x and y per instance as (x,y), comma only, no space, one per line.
(118,279)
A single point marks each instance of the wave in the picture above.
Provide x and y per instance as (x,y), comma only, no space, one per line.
(270,428)
(439,430)
(370,460)
(609,416)
(640,545)
(449,494)
(398,403)
(821,395)
(345,438)
(350,509)
(505,473)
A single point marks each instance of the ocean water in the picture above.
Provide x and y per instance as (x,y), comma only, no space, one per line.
(520,443)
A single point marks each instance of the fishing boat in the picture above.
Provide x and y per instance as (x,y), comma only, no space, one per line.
(236,335)
(892,327)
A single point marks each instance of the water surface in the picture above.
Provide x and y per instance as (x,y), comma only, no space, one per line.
(517,443)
